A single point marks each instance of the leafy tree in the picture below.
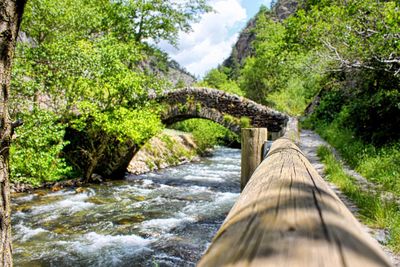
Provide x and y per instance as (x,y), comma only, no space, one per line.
(359,41)
(264,72)
(218,79)
(279,74)
(86,58)
(154,19)
(35,153)
(215,78)
(77,54)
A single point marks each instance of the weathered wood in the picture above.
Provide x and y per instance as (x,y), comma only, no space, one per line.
(252,151)
(292,130)
(288,216)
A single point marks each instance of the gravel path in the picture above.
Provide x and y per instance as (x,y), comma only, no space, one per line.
(309,143)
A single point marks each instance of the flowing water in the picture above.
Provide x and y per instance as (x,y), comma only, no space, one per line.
(156,219)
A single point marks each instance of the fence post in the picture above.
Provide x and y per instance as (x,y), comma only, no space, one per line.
(253,140)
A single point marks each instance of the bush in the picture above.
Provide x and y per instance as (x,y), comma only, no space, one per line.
(375,117)
(35,154)
(329,107)
(207,134)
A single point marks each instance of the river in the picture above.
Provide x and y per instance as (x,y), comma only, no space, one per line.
(156,219)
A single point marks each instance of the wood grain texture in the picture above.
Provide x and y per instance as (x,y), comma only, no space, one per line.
(292,130)
(253,140)
(288,216)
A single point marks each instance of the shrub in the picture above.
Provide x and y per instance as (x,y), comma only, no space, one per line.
(36,152)
(207,134)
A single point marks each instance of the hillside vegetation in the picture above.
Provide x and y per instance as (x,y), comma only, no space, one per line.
(338,64)
(342,56)
(82,77)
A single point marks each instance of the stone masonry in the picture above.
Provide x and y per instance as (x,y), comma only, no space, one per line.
(214,104)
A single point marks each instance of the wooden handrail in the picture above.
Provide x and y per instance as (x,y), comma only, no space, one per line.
(288,216)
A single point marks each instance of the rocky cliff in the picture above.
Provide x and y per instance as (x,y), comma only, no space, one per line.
(284,8)
(159,64)
(243,48)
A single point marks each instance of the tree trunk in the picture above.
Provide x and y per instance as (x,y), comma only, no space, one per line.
(10,18)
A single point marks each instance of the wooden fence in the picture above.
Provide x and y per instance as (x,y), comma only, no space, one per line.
(287,215)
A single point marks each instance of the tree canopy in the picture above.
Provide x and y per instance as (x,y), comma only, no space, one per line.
(86,64)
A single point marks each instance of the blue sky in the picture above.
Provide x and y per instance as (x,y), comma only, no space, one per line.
(212,38)
(252,7)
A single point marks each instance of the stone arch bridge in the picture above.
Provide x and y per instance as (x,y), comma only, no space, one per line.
(221,107)
(218,106)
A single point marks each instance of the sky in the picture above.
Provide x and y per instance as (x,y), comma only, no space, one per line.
(212,38)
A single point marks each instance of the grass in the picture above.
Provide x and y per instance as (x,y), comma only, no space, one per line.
(378,165)
(373,211)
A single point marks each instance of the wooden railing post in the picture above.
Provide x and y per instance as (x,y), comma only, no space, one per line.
(287,215)
(253,140)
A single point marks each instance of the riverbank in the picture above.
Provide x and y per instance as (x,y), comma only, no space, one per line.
(169,148)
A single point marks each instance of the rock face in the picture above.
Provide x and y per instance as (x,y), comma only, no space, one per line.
(170,148)
(176,74)
(243,47)
(171,70)
(284,8)
(221,107)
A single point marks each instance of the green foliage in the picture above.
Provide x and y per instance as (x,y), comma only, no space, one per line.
(379,165)
(358,40)
(207,134)
(245,122)
(348,53)
(292,100)
(83,60)
(375,116)
(218,79)
(215,78)
(154,19)
(35,153)
(263,73)
(230,119)
(120,122)
(279,74)
(329,106)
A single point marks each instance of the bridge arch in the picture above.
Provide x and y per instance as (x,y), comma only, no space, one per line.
(221,107)
(218,106)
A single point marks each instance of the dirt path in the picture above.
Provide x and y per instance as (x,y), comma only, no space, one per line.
(309,143)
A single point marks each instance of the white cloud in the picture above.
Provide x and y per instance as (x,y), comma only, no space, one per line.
(210,42)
